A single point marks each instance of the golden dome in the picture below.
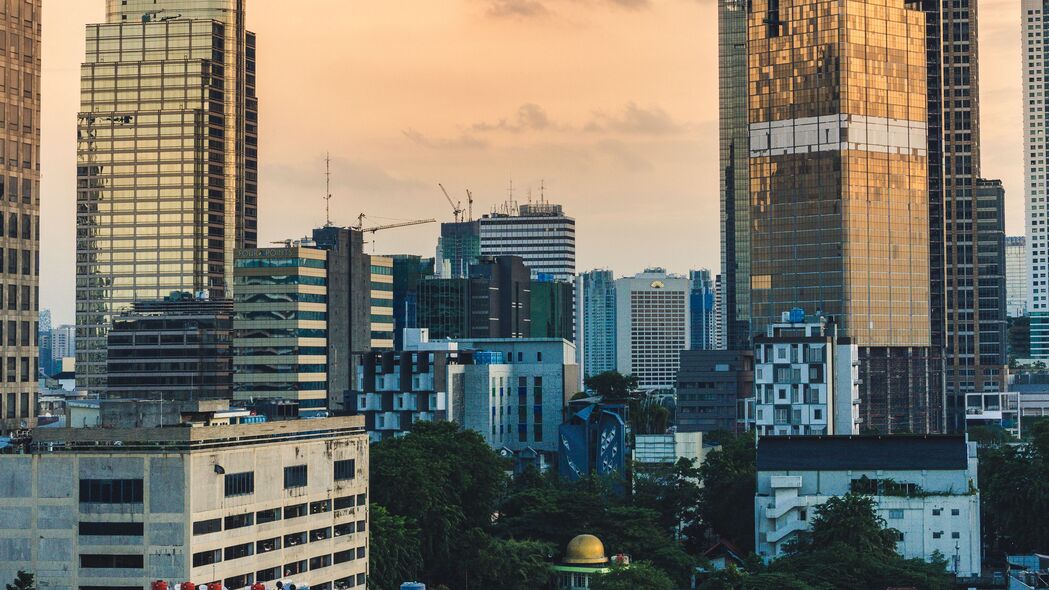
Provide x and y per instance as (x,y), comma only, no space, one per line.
(585,549)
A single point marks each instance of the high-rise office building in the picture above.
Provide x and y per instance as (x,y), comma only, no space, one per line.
(551,306)
(1035,17)
(1016,277)
(409,271)
(458,247)
(734,174)
(596,322)
(381,303)
(63,344)
(719,314)
(701,310)
(540,233)
(45,342)
(990,284)
(20,210)
(494,302)
(839,217)
(167,143)
(652,311)
(281,327)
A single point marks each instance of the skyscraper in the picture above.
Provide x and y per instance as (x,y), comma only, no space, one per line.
(596,322)
(839,190)
(652,311)
(167,143)
(1035,16)
(540,233)
(20,195)
(1016,278)
(734,174)
(701,320)
(458,247)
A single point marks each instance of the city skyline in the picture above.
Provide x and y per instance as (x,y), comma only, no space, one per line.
(606,130)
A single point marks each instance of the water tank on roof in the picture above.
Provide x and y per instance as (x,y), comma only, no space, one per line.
(413,586)
(797,315)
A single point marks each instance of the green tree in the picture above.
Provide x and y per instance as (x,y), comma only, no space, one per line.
(674,493)
(726,501)
(23,581)
(636,576)
(611,385)
(1014,495)
(852,521)
(990,434)
(393,550)
(491,562)
(648,416)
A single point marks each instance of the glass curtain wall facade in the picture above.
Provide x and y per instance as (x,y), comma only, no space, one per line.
(839,189)
(280,330)
(20,28)
(166,159)
(734,172)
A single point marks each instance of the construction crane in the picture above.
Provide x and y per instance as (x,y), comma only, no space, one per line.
(360,225)
(457,206)
(470,204)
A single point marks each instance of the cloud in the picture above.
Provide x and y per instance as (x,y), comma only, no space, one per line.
(520,9)
(529,117)
(464,141)
(637,120)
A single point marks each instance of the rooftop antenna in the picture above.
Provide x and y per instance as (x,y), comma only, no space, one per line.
(327,189)
(542,192)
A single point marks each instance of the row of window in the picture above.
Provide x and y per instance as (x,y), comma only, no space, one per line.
(263,546)
(214,525)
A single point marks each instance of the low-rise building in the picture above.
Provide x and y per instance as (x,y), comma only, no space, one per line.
(993,409)
(711,386)
(667,449)
(806,378)
(119,507)
(925,487)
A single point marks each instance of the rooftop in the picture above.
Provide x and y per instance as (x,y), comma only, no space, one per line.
(862,453)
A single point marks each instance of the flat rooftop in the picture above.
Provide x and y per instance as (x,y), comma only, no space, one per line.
(862,453)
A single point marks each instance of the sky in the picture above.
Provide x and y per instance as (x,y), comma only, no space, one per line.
(610,105)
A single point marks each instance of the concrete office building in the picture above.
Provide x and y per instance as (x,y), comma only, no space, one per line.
(121,507)
(990,330)
(596,322)
(540,233)
(923,486)
(806,378)
(652,312)
(839,192)
(20,213)
(701,319)
(667,449)
(281,336)
(179,348)
(381,302)
(1016,276)
(713,387)
(167,160)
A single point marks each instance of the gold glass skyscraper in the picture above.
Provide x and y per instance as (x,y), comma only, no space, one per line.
(839,187)
(19,210)
(167,142)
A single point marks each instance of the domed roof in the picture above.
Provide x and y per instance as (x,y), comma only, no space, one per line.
(585,549)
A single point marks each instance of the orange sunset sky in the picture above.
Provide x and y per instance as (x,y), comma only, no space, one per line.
(613,103)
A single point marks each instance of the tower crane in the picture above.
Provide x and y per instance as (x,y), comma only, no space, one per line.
(457,207)
(360,224)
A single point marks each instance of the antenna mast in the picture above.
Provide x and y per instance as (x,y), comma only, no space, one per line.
(327,189)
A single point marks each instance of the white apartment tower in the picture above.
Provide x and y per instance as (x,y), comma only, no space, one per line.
(596,322)
(652,326)
(1016,276)
(1035,15)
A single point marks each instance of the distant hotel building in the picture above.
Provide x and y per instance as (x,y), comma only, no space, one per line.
(540,233)
(20,213)
(120,507)
(177,349)
(652,326)
(1016,276)
(805,378)
(1035,43)
(167,142)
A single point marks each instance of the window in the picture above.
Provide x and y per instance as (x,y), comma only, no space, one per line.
(111,491)
(955,512)
(238,551)
(937,535)
(896,514)
(937,511)
(320,534)
(344,529)
(319,562)
(239,521)
(267,545)
(111,561)
(320,506)
(344,556)
(344,502)
(207,557)
(240,484)
(345,469)
(362,499)
(956,535)
(294,476)
(124,529)
(295,539)
(294,511)
(265,516)
(203,527)
(899,537)
(803,514)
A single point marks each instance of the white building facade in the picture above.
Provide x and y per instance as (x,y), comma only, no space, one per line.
(1034,17)
(925,487)
(806,380)
(540,233)
(1016,276)
(652,326)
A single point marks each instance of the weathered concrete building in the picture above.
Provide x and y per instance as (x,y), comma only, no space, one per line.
(120,507)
